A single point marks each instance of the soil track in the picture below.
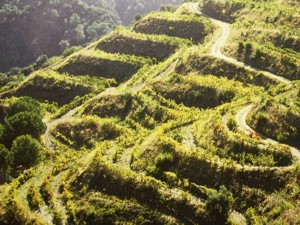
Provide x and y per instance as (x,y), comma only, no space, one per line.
(221,41)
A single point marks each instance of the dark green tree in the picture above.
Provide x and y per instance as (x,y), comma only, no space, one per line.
(64,44)
(27,70)
(40,61)
(26,152)
(26,123)
(23,123)
(3,79)
(24,104)
(5,160)
(14,71)
(219,205)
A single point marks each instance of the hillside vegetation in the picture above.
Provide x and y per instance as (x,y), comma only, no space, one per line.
(263,34)
(128,9)
(174,25)
(31,28)
(35,28)
(180,118)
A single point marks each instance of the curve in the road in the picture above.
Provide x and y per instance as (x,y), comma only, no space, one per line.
(220,42)
(216,51)
(69,115)
(47,135)
(243,126)
(50,124)
(242,114)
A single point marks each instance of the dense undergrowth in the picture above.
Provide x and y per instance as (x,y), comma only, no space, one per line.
(34,28)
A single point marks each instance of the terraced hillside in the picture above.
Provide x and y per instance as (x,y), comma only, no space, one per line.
(171,121)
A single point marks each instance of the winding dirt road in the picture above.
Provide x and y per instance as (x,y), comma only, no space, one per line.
(51,124)
(70,114)
(244,127)
(221,41)
(216,51)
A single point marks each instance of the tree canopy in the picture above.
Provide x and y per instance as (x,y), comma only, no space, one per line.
(24,104)
(24,123)
(26,151)
(33,28)
(5,158)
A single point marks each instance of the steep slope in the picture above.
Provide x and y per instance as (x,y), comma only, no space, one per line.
(35,28)
(131,43)
(264,35)
(186,135)
(175,25)
(62,89)
(30,28)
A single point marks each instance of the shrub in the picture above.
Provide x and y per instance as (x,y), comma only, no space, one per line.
(23,123)
(137,17)
(64,44)
(3,79)
(33,197)
(24,116)
(219,205)
(26,151)
(27,70)
(251,217)
(5,159)
(71,50)
(14,71)
(51,61)
(297,172)
(47,192)
(164,160)
(40,61)
(232,124)
(24,104)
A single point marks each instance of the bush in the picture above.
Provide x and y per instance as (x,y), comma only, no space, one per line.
(3,79)
(5,158)
(219,205)
(232,124)
(47,192)
(26,151)
(24,104)
(40,61)
(51,61)
(64,44)
(164,160)
(33,197)
(27,70)
(297,172)
(14,71)
(71,50)
(24,116)
(137,17)
(24,123)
